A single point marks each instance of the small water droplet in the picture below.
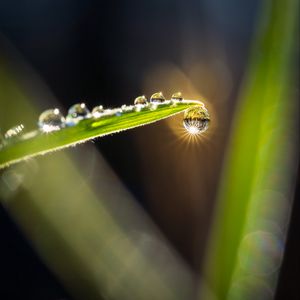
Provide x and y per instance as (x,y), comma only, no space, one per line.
(157,98)
(108,112)
(51,120)
(140,103)
(196,119)
(177,96)
(97,111)
(76,113)
(14,131)
(140,100)
(127,108)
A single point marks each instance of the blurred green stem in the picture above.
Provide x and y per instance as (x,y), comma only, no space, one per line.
(261,147)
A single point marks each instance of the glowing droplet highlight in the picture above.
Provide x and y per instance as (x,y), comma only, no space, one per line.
(76,113)
(157,98)
(196,119)
(51,120)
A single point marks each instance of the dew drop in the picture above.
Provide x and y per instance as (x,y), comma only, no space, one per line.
(157,98)
(140,100)
(127,108)
(51,120)
(140,103)
(196,119)
(14,131)
(97,111)
(76,113)
(109,112)
(177,96)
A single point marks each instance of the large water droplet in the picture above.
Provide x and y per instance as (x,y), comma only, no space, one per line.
(196,119)
(14,131)
(140,100)
(97,111)
(51,120)
(76,113)
(157,98)
(177,96)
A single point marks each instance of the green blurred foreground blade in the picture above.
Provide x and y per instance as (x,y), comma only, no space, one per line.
(92,235)
(253,200)
(37,142)
(78,217)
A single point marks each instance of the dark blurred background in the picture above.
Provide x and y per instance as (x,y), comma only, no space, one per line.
(109,52)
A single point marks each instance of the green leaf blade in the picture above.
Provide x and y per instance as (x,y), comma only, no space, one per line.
(37,142)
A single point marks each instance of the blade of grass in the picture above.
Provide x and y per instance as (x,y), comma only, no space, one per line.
(259,155)
(92,235)
(36,142)
(81,220)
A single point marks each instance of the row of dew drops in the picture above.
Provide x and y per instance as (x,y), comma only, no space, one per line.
(53,120)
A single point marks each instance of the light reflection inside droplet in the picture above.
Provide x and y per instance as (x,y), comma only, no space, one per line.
(51,120)
(192,129)
(140,100)
(157,98)
(196,120)
(76,113)
(177,96)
